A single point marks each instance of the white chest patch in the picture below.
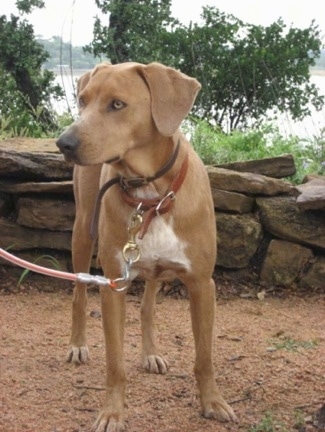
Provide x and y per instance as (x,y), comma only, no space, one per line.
(160,248)
(161,244)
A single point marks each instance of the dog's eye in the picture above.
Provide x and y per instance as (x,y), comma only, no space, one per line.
(117,105)
(81,102)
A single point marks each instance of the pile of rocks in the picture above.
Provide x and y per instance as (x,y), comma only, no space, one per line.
(267,228)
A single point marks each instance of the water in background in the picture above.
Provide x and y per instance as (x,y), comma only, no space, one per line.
(309,128)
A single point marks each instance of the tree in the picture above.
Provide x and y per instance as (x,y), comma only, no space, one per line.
(246,71)
(137,30)
(250,71)
(25,88)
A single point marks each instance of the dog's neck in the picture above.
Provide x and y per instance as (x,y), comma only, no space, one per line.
(159,162)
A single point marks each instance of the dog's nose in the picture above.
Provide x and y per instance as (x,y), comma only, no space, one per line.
(68,143)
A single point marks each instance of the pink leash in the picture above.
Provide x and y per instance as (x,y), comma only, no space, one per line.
(80,277)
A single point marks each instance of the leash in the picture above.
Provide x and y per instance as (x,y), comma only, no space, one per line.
(74,277)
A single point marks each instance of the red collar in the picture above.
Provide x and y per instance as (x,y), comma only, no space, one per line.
(156,206)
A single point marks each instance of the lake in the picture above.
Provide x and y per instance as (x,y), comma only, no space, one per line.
(308,128)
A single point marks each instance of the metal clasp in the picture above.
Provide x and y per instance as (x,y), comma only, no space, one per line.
(131,250)
(125,278)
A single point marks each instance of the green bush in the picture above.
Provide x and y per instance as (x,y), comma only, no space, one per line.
(216,147)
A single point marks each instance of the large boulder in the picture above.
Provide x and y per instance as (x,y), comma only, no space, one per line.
(312,193)
(56,187)
(45,213)
(16,237)
(281,217)
(277,167)
(232,201)
(248,183)
(33,159)
(315,276)
(238,237)
(284,263)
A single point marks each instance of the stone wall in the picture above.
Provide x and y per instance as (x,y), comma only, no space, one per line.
(268,230)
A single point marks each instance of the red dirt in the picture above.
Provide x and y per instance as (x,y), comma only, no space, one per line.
(41,392)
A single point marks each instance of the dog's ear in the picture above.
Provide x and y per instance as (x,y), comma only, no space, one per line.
(172,96)
(84,79)
(82,82)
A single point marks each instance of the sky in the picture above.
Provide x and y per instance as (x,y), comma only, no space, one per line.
(73,19)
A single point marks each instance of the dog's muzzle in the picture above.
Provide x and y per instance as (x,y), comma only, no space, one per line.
(68,144)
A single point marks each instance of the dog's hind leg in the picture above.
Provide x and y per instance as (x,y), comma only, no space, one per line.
(202,305)
(86,183)
(151,360)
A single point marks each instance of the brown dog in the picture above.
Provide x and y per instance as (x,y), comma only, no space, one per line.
(156,222)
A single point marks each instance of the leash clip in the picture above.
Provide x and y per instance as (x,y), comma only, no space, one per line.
(131,250)
(125,278)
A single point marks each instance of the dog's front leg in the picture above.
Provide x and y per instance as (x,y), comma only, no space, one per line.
(202,304)
(152,361)
(111,418)
(86,183)
(82,248)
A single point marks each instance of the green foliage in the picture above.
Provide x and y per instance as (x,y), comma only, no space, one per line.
(216,147)
(269,424)
(138,30)
(26,6)
(248,73)
(251,72)
(289,344)
(25,88)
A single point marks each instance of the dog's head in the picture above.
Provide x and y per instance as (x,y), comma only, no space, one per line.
(125,106)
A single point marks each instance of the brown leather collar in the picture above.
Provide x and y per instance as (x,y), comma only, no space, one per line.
(154,206)
(160,205)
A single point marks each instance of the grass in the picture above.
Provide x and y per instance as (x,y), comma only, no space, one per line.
(216,147)
(11,126)
(293,345)
(269,424)
(47,258)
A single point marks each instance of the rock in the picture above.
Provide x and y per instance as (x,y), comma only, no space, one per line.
(43,213)
(284,262)
(232,201)
(5,204)
(61,187)
(33,159)
(281,217)
(277,167)
(252,184)
(312,193)
(315,277)
(238,237)
(16,237)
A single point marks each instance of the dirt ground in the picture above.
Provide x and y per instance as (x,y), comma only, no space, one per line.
(269,358)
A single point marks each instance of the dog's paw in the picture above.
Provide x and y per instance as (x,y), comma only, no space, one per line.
(108,423)
(219,410)
(155,364)
(78,355)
